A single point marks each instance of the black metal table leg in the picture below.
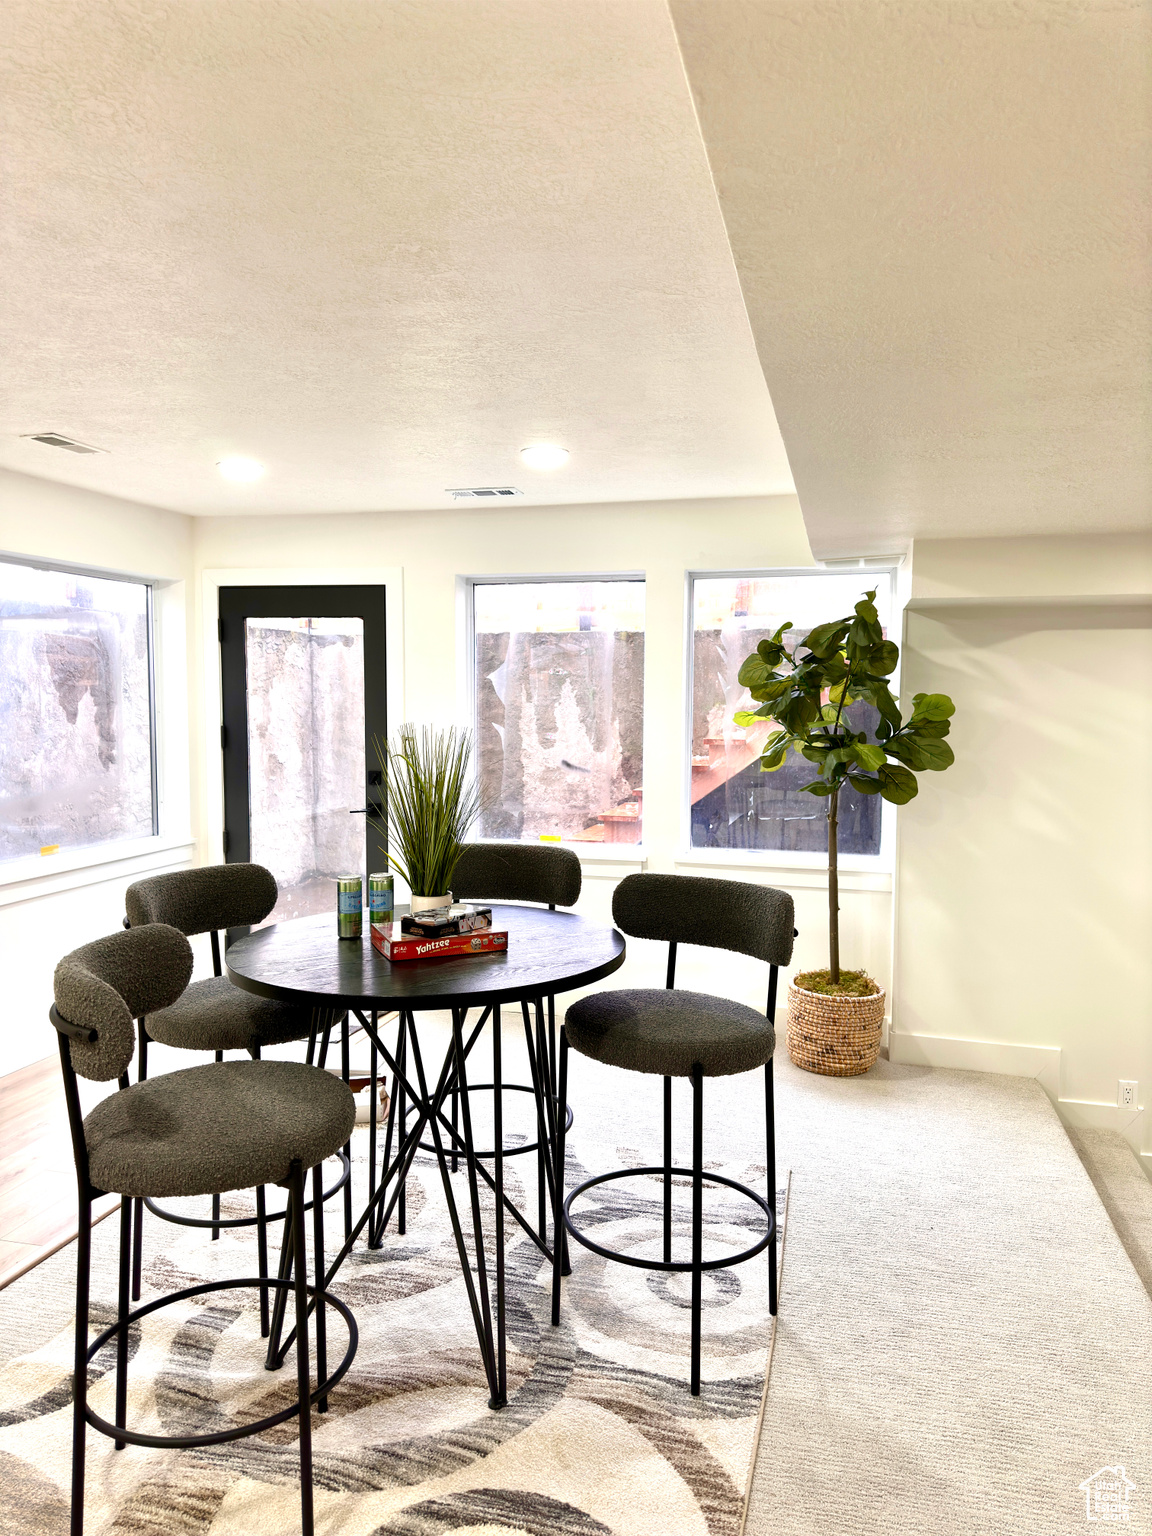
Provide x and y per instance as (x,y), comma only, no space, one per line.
(345,1071)
(498,1171)
(697,1216)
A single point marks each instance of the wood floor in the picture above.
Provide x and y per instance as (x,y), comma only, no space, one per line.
(37,1176)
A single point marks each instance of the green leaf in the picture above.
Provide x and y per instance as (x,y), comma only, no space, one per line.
(869,757)
(799,713)
(866,608)
(774,688)
(815,754)
(826,639)
(886,704)
(936,755)
(865,786)
(935,728)
(932,706)
(772,651)
(817,787)
(897,785)
(747,717)
(754,672)
(882,658)
(907,749)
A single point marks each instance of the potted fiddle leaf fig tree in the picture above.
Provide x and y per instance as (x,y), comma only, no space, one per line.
(835,1016)
(432,803)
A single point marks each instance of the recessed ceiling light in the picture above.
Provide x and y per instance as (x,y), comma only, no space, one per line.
(544,456)
(237,467)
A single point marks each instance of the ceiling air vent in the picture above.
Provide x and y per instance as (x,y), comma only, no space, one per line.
(58,440)
(481,492)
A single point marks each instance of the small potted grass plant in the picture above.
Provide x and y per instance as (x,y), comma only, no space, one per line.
(835,1016)
(432,802)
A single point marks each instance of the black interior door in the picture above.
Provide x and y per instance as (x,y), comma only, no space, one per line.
(303,673)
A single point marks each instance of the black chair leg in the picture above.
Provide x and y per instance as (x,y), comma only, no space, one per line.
(667,1170)
(279,1306)
(262,1256)
(216,1198)
(80,1362)
(770,1130)
(697,1216)
(138,1205)
(303,1380)
(559,1266)
(318,1266)
(122,1309)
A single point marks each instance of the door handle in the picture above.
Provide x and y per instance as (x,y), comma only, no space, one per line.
(368,810)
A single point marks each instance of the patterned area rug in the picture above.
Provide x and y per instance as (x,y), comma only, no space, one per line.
(600,1436)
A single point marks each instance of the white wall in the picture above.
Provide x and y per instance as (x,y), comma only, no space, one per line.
(65,900)
(1024,907)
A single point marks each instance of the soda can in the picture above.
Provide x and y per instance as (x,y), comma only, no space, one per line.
(349,906)
(381,905)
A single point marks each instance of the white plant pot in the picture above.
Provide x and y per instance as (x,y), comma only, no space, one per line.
(424,903)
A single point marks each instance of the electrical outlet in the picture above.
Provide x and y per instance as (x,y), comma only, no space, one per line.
(1126,1098)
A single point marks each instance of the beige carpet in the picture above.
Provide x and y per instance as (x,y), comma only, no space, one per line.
(600,1436)
(963,1340)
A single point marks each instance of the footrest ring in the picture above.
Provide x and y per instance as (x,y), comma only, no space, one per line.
(248,1221)
(669,1265)
(187,1442)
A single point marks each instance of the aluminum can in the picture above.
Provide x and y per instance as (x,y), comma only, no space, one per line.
(350,906)
(381,902)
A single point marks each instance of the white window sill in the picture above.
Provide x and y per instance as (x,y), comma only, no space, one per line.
(46,874)
(802,870)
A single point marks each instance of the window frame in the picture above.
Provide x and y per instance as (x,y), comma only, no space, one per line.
(83,864)
(882,862)
(630,854)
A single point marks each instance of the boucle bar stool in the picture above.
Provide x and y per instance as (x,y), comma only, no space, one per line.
(204,1130)
(213,1015)
(550,876)
(685,1034)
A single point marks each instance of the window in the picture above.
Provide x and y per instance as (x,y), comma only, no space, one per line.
(559,687)
(734,805)
(77,733)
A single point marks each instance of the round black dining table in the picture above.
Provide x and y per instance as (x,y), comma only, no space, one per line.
(303,961)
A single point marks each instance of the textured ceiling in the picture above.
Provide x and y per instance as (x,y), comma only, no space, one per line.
(378,245)
(940,213)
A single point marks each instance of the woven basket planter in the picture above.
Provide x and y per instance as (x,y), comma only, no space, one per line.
(836,1036)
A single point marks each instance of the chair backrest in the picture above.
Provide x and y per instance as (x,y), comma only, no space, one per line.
(108,984)
(723,914)
(203,900)
(517,872)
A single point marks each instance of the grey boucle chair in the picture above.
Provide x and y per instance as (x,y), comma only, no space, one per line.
(201,1131)
(672,1033)
(518,872)
(550,876)
(211,1015)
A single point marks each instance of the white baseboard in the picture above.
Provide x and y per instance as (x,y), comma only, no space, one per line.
(1039,1061)
(1087,1114)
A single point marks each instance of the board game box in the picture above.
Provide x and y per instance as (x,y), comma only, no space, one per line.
(394,944)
